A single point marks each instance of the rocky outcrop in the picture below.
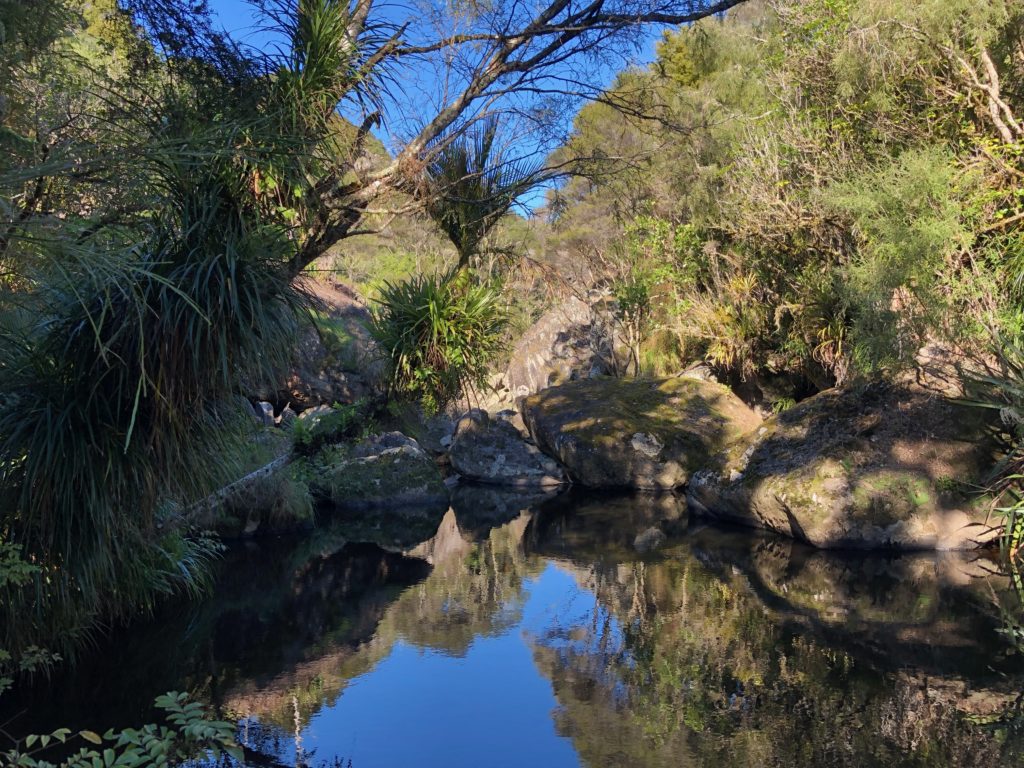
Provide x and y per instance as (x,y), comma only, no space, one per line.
(491,450)
(650,434)
(334,360)
(875,467)
(384,471)
(566,343)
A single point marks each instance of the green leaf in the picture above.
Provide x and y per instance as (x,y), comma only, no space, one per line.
(91,736)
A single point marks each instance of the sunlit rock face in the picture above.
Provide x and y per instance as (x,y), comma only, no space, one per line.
(566,343)
(650,434)
(877,467)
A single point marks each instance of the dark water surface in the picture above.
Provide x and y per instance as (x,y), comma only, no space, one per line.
(577,631)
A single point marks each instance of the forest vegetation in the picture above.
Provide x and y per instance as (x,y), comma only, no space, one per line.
(811,191)
(163,186)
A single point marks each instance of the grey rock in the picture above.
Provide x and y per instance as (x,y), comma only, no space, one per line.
(287,417)
(312,415)
(375,445)
(647,444)
(493,451)
(265,413)
(700,371)
(566,343)
(864,468)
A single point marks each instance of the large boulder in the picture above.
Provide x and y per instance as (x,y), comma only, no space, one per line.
(491,450)
(635,433)
(883,466)
(384,471)
(566,343)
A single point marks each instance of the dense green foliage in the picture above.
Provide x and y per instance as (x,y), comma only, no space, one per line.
(190,733)
(148,205)
(816,186)
(438,334)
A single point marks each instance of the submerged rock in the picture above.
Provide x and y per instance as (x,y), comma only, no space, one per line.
(649,540)
(384,471)
(874,467)
(650,434)
(491,450)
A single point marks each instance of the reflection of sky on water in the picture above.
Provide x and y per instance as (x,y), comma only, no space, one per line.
(489,707)
(548,641)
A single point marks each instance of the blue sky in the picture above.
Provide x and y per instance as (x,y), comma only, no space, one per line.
(236,16)
(240,19)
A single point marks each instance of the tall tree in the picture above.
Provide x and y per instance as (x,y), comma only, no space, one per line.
(160,188)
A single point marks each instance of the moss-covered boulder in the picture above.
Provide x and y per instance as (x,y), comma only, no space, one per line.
(384,471)
(635,433)
(884,466)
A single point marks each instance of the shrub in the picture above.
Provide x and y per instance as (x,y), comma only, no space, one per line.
(1003,390)
(190,732)
(309,435)
(438,333)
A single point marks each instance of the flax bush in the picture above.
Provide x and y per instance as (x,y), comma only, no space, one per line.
(439,333)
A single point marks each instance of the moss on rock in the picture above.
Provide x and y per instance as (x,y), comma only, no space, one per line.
(860,468)
(396,476)
(634,432)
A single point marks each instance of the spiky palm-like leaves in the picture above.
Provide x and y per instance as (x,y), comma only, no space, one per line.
(438,334)
(473,184)
(123,346)
(122,393)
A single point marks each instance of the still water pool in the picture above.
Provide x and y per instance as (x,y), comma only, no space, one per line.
(575,631)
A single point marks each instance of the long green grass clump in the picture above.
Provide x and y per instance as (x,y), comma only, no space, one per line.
(438,333)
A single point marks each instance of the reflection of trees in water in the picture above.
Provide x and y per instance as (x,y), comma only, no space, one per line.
(725,649)
(718,649)
(747,651)
(473,590)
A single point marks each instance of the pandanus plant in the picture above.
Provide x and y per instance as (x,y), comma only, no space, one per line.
(135,306)
(472,184)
